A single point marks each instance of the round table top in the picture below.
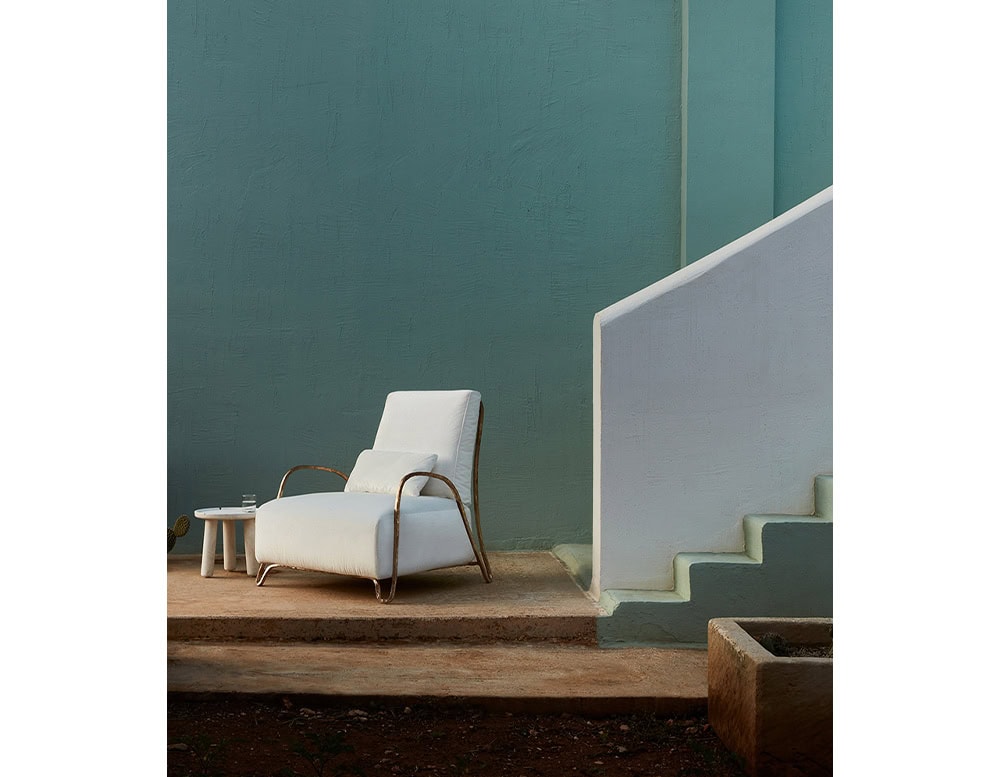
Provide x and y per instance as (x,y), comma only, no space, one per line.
(226,513)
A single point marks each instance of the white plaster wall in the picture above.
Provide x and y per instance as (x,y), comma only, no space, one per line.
(713,399)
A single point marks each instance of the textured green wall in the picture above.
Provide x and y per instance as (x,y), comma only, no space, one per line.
(728,120)
(369,195)
(757,115)
(803,101)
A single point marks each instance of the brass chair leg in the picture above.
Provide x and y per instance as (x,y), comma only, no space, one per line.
(263,571)
(378,590)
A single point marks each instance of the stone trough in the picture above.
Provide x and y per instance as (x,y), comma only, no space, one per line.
(774,712)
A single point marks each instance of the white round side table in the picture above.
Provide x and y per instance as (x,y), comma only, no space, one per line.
(228,516)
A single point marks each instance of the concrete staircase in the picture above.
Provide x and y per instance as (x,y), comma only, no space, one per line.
(785,570)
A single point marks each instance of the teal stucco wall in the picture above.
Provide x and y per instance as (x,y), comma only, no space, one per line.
(373,195)
(728,121)
(757,114)
(369,195)
(803,101)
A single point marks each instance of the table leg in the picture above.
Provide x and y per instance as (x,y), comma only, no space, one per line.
(208,548)
(229,545)
(249,536)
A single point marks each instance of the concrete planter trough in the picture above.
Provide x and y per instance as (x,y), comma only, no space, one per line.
(774,712)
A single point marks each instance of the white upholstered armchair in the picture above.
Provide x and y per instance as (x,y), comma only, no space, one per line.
(404,508)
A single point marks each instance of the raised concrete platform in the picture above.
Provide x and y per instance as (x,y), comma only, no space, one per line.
(526,642)
(531,598)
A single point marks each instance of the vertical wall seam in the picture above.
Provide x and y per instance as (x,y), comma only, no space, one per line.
(685,43)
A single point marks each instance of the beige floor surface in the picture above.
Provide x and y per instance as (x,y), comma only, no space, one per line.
(525,641)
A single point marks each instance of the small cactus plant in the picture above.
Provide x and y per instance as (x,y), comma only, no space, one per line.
(179,529)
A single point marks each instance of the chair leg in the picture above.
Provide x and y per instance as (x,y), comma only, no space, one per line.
(378,590)
(263,571)
(484,566)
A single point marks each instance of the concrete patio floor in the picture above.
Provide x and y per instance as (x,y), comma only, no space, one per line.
(526,641)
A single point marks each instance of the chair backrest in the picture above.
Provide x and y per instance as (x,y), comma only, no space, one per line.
(441,422)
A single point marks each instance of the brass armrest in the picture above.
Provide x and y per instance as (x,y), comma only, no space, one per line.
(437,476)
(281,486)
(479,553)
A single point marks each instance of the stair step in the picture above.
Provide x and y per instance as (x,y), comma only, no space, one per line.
(517,677)
(753,529)
(684,563)
(611,598)
(824,496)
(579,562)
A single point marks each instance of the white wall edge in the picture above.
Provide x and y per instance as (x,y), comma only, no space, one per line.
(708,262)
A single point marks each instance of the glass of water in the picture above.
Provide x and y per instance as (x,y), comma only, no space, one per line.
(249,502)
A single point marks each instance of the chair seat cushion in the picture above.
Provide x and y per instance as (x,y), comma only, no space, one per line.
(351,533)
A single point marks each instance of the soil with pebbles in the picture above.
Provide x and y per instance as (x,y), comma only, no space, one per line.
(284,738)
(778,646)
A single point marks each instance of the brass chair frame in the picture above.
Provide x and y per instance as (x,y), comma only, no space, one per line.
(480,553)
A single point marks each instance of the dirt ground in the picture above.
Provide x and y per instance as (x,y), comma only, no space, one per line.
(224,738)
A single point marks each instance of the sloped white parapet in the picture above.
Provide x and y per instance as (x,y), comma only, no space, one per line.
(713,399)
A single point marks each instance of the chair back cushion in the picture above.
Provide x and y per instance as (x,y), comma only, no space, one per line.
(441,422)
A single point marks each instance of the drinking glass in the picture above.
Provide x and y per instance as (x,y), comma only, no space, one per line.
(249,502)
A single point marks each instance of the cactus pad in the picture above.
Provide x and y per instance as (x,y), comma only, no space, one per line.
(171,539)
(181,525)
